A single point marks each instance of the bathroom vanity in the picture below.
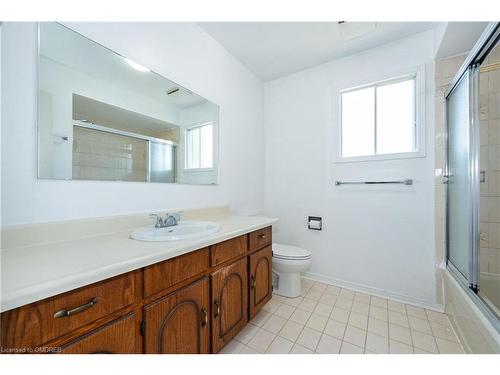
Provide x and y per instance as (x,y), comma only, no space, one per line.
(194,302)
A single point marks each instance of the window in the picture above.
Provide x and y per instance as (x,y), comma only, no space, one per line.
(379,119)
(199,146)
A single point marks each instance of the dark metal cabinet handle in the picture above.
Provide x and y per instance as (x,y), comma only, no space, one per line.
(204,317)
(217,309)
(252,282)
(64,313)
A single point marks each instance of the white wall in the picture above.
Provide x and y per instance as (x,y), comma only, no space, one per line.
(181,52)
(375,238)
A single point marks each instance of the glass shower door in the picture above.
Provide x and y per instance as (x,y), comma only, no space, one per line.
(459,204)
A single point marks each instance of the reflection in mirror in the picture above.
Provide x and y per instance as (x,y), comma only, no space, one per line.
(104,117)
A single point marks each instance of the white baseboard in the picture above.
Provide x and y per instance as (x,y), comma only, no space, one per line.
(375,291)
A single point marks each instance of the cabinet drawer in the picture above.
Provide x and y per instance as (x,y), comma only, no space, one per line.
(116,337)
(36,324)
(163,275)
(260,238)
(227,250)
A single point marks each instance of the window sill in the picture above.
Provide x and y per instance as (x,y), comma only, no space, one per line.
(196,170)
(404,155)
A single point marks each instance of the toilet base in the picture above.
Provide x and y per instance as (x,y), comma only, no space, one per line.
(289,284)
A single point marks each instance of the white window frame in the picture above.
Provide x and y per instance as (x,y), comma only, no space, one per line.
(419,74)
(199,125)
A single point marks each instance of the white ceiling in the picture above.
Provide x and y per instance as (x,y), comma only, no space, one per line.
(65,46)
(275,49)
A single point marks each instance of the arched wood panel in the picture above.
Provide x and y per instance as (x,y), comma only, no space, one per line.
(229,302)
(178,323)
(261,289)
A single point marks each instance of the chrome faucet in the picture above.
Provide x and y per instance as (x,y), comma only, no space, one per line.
(170,220)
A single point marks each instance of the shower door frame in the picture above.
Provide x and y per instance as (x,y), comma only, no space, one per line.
(470,70)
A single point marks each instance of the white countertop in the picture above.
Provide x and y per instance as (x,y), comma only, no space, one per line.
(35,272)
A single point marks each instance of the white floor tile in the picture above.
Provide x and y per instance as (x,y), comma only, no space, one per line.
(347,293)
(396,306)
(319,286)
(398,318)
(335,329)
(309,338)
(437,317)
(348,348)
(300,316)
(344,303)
(401,334)
(378,326)
(232,347)
(271,306)
(415,311)
(328,345)
(299,349)
(443,332)
(360,307)
(285,311)
(423,341)
(280,346)
(292,301)
(323,309)
(396,347)
(377,344)
(332,290)
(247,350)
(317,322)
(261,341)
(307,304)
(340,315)
(358,320)
(362,297)
(379,302)
(247,333)
(261,318)
(291,330)
(355,336)
(328,299)
(314,294)
(421,325)
(379,313)
(274,324)
(448,347)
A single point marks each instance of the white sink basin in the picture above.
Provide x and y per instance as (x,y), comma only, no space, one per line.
(185,230)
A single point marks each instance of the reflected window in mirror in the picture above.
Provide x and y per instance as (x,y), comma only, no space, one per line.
(199,146)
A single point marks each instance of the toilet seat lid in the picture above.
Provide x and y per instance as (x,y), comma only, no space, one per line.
(289,252)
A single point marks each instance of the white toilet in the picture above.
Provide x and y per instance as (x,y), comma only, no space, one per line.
(288,263)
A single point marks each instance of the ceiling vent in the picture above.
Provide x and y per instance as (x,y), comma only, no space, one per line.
(178,92)
(352,30)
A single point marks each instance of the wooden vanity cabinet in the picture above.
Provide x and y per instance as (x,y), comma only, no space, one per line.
(179,322)
(193,303)
(117,337)
(229,302)
(260,279)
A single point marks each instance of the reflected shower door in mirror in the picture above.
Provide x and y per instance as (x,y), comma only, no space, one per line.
(102,116)
(489,166)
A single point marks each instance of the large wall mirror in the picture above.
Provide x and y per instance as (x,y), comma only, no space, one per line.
(102,116)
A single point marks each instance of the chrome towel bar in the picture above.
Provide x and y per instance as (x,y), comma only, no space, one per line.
(407,181)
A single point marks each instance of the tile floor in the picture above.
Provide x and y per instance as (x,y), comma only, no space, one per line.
(326,319)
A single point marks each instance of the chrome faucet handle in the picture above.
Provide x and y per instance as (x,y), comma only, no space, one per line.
(159,220)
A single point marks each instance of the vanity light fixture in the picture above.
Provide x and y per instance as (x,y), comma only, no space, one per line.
(136,66)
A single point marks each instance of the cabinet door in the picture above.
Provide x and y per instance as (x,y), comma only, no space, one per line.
(260,279)
(178,323)
(229,302)
(116,337)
